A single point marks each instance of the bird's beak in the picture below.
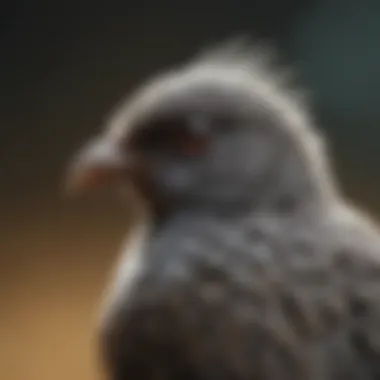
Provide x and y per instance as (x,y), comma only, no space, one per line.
(100,164)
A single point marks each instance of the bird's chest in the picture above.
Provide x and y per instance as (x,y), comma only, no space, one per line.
(205,295)
(192,264)
(186,258)
(190,273)
(177,297)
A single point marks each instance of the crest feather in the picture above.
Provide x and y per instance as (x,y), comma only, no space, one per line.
(258,58)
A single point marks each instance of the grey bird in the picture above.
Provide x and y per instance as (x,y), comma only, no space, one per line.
(246,262)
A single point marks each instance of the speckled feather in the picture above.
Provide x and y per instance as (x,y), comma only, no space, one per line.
(256,299)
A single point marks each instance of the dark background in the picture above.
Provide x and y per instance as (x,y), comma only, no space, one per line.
(63,65)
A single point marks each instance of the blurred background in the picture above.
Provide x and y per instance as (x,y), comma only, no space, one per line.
(63,65)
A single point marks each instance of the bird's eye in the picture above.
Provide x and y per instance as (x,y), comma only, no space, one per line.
(170,136)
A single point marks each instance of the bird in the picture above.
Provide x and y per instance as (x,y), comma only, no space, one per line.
(246,260)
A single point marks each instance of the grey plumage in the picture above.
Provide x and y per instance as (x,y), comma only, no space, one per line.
(246,262)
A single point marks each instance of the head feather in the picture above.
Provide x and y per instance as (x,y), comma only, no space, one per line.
(248,75)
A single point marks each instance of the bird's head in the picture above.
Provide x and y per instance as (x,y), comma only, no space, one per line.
(220,133)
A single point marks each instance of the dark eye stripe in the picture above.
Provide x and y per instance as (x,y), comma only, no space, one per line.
(166,135)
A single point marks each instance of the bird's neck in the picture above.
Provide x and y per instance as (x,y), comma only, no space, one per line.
(235,215)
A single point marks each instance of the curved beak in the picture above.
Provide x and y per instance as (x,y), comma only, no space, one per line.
(99,164)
